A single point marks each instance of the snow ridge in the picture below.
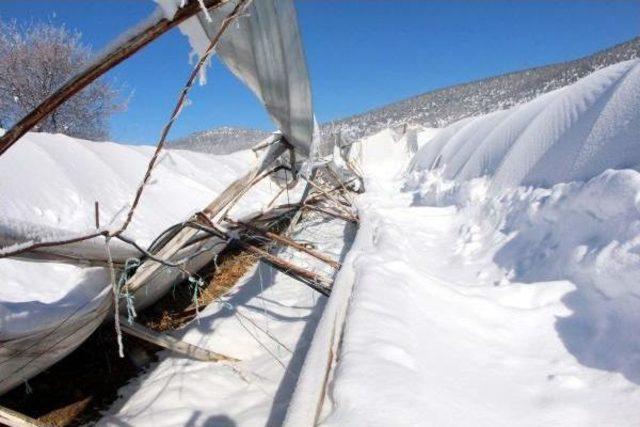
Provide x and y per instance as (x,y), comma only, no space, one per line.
(495,278)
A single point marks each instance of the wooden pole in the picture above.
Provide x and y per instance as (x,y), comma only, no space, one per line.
(335,176)
(231,193)
(324,192)
(123,50)
(96,207)
(171,343)
(311,279)
(286,241)
(332,213)
(15,419)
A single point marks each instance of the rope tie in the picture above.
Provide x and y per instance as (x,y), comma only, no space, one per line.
(225,304)
(196,283)
(130,267)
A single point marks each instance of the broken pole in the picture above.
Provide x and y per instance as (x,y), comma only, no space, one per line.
(286,241)
(170,343)
(309,278)
(15,419)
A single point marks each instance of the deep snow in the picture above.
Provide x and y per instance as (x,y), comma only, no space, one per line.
(494,277)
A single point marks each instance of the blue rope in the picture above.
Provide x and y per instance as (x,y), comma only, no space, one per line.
(196,284)
(130,267)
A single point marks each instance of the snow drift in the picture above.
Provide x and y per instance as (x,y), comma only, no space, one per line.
(495,279)
(570,134)
(49,184)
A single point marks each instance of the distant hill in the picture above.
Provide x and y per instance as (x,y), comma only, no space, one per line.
(436,108)
(443,106)
(222,140)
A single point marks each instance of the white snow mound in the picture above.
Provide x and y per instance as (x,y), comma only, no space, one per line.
(570,134)
(495,281)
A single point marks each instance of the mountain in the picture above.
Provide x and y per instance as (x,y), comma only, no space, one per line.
(437,108)
(443,106)
(222,140)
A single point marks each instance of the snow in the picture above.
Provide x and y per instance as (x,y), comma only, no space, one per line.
(494,280)
(35,291)
(441,332)
(570,134)
(52,182)
(266,322)
(49,184)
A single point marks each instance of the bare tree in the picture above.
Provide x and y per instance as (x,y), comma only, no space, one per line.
(34,61)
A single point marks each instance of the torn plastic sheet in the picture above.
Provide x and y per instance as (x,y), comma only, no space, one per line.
(262,48)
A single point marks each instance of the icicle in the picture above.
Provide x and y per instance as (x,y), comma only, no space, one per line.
(27,387)
(202,73)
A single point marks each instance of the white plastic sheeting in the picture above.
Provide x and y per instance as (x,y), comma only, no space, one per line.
(263,49)
(570,134)
(49,186)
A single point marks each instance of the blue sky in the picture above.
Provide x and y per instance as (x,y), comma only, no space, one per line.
(361,54)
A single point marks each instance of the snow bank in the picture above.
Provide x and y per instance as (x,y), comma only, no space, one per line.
(495,282)
(437,333)
(570,134)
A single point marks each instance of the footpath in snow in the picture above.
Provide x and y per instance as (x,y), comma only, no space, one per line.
(494,277)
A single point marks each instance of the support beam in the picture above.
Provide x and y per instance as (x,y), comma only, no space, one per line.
(332,213)
(309,278)
(156,26)
(345,192)
(171,343)
(286,241)
(229,195)
(324,192)
(15,419)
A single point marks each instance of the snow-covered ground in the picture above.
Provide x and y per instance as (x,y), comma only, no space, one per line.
(494,277)
(267,322)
